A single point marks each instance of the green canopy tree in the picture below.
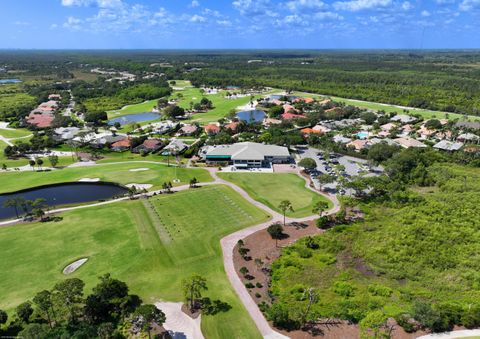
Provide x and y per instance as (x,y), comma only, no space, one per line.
(44,303)
(148,314)
(70,294)
(193,287)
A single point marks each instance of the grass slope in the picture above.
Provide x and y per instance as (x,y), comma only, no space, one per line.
(114,172)
(272,188)
(152,254)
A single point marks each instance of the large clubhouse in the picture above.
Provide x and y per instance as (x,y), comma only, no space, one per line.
(246,155)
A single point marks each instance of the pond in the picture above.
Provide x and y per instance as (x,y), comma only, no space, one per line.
(251,116)
(10,81)
(63,194)
(140,117)
(278,97)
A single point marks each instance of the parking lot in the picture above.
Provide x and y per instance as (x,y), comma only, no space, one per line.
(328,163)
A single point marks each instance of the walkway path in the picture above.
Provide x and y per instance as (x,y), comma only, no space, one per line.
(452,335)
(228,244)
(178,322)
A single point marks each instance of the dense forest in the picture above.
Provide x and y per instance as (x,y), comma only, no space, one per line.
(437,80)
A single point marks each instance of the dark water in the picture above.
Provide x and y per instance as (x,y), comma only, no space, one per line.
(63,194)
(277,97)
(140,117)
(9,81)
(251,116)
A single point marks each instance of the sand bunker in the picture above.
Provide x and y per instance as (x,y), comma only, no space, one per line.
(89,180)
(139,186)
(74,266)
(139,169)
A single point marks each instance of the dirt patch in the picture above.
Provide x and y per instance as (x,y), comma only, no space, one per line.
(259,251)
(194,315)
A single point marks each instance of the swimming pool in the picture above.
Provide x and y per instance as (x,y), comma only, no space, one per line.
(362,135)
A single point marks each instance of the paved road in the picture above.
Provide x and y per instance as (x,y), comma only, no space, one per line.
(178,324)
(228,243)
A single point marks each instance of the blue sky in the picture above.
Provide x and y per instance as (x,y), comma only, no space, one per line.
(172,24)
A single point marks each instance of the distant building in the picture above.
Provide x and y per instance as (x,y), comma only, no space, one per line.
(149,146)
(176,146)
(211,129)
(468,125)
(246,154)
(450,146)
(403,118)
(122,145)
(340,139)
(468,137)
(407,142)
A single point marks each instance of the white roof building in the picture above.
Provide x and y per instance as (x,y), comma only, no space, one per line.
(403,118)
(446,145)
(246,154)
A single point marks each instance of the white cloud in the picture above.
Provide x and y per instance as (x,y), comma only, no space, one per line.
(406,6)
(226,23)
(425,13)
(194,4)
(99,3)
(197,18)
(358,5)
(328,16)
(467,5)
(296,5)
(254,8)
(72,23)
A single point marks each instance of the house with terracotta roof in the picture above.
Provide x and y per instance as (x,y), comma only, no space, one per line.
(287,108)
(308,131)
(321,129)
(290,116)
(187,130)
(122,145)
(388,127)
(54,97)
(424,132)
(211,129)
(232,126)
(270,121)
(149,146)
(40,120)
(324,102)
(407,142)
(358,144)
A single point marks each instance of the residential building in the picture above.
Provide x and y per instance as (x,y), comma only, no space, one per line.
(149,146)
(450,146)
(407,142)
(211,129)
(403,118)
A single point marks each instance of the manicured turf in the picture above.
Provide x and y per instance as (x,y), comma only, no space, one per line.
(14,133)
(143,107)
(131,242)
(427,114)
(114,172)
(272,188)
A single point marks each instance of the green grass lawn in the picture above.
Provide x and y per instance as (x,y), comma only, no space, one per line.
(427,114)
(126,239)
(14,133)
(120,173)
(272,188)
(143,107)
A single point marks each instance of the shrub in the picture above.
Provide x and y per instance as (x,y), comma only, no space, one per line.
(244,270)
(258,295)
(259,285)
(344,289)
(380,290)
(322,222)
(249,285)
(406,322)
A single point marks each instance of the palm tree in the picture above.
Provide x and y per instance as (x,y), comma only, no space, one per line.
(193,287)
(320,207)
(284,206)
(12,202)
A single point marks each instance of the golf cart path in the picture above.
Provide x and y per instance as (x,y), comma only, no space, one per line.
(452,334)
(228,244)
(179,324)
